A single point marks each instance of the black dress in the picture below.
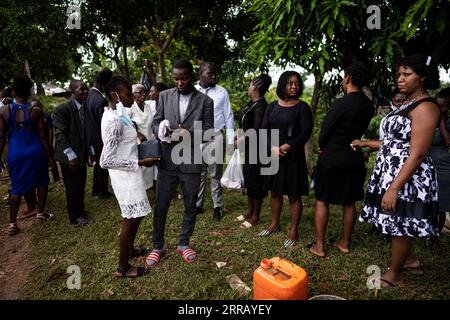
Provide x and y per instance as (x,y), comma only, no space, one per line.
(251,117)
(441,158)
(295,127)
(340,171)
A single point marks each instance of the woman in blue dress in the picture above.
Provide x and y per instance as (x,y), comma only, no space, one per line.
(28,150)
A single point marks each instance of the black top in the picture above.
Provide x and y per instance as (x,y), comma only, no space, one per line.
(294,124)
(96,104)
(252,115)
(346,121)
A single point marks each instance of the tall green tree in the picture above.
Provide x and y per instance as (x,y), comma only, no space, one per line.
(34,40)
(322,36)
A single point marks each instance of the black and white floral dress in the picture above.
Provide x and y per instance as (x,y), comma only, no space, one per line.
(416,210)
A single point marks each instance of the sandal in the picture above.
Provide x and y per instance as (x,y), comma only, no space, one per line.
(122,273)
(188,255)
(245,225)
(267,232)
(289,243)
(415,268)
(13,229)
(240,218)
(154,258)
(137,252)
(389,284)
(44,216)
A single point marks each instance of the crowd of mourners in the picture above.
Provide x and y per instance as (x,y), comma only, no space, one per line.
(407,195)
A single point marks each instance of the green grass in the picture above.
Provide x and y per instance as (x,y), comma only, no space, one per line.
(94,248)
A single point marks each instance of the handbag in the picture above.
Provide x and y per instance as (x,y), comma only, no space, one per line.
(149,149)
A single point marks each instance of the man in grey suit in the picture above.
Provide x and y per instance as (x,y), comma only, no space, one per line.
(181,107)
(73,148)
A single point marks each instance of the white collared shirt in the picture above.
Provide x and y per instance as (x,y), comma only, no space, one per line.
(223,114)
(184,103)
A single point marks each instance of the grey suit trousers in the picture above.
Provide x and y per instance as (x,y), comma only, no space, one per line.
(165,188)
(215,172)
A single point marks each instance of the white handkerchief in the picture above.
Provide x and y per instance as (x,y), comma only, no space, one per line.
(164,128)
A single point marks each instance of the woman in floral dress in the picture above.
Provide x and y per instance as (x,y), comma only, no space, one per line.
(402,195)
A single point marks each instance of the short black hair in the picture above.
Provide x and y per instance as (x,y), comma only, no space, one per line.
(283,81)
(262,83)
(359,73)
(22,85)
(205,64)
(161,86)
(73,83)
(114,84)
(184,64)
(103,76)
(444,94)
(418,62)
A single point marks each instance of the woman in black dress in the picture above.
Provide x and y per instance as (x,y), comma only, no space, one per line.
(440,155)
(340,170)
(251,117)
(293,120)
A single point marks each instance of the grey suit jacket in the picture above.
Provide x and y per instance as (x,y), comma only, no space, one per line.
(200,108)
(69,132)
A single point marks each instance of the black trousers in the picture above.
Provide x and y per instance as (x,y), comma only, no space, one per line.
(100,179)
(75,185)
(165,188)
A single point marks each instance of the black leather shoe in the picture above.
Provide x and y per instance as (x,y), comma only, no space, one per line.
(83,220)
(218,213)
(199,210)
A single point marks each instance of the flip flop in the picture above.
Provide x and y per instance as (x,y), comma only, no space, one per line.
(154,258)
(389,284)
(44,216)
(246,225)
(186,254)
(289,243)
(240,218)
(414,269)
(267,232)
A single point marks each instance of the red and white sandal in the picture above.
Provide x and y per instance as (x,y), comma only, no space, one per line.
(153,258)
(188,255)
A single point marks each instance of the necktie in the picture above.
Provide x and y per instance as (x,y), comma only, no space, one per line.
(82,111)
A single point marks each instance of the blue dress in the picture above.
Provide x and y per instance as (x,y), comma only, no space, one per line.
(27,158)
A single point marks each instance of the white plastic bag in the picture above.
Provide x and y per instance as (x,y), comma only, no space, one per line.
(233,178)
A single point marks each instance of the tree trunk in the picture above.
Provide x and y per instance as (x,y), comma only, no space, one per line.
(162,66)
(39,78)
(318,78)
(124,49)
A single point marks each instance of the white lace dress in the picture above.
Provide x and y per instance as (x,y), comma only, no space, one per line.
(143,120)
(120,157)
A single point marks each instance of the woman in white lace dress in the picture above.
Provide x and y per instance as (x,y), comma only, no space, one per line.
(120,157)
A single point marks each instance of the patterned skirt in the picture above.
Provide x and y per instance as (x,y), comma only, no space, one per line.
(416,212)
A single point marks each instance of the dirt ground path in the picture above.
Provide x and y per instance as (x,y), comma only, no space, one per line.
(15,264)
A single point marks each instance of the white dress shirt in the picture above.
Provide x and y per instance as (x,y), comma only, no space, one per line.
(184,103)
(223,114)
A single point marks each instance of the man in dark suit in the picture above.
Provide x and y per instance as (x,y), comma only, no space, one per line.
(96,103)
(73,148)
(181,107)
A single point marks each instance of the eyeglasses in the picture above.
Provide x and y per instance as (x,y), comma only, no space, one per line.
(139,93)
